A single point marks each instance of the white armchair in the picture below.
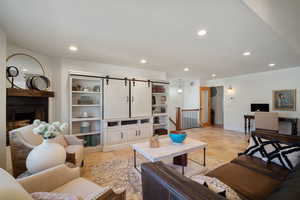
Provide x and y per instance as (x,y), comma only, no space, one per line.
(59,179)
(23,140)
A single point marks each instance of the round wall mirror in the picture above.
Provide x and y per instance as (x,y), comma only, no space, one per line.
(27,66)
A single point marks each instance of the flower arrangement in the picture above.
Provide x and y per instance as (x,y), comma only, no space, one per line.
(48,130)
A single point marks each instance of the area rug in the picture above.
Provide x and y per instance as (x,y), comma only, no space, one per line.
(120,175)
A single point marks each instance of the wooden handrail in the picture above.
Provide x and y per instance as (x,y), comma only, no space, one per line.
(178,118)
(172,121)
(189,110)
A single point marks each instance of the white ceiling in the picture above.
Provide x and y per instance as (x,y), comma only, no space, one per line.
(163,32)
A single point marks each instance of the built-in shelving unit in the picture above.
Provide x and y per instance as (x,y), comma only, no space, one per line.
(85,109)
(160,108)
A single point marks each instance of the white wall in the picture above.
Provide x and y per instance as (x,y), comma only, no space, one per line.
(61,78)
(255,88)
(48,65)
(191,94)
(2,100)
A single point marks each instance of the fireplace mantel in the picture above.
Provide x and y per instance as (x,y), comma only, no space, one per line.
(15,92)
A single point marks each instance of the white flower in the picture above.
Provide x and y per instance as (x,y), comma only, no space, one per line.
(56,124)
(36,122)
(63,127)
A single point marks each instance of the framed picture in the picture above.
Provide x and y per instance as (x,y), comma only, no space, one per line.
(284,100)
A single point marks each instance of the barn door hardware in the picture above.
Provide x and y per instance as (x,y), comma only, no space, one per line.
(149,83)
(133,81)
(126,79)
(107,79)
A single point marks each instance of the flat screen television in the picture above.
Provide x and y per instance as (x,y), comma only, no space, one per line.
(260,107)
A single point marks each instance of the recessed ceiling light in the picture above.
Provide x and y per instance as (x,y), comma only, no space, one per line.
(73,48)
(272,64)
(24,70)
(247,53)
(180,90)
(143,61)
(186,69)
(214,75)
(202,32)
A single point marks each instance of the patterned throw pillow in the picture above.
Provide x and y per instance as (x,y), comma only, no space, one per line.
(217,186)
(53,196)
(287,156)
(261,148)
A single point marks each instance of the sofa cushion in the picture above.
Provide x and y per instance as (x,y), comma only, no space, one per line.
(258,165)
(80,187)
(10,189)
(289,189)
(246,182)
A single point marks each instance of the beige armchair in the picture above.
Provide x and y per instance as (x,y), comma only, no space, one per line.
(23,140)
(59,179)
(267,121)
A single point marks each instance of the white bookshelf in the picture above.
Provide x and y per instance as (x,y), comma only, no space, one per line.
(86,109)
(160,114)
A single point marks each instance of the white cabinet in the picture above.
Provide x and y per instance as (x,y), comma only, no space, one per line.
(116,99)
(118,133)
(140,99)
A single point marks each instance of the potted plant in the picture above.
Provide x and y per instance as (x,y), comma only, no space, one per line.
(47,154)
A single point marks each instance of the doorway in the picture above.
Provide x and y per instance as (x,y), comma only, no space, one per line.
(217,103)
(211,106)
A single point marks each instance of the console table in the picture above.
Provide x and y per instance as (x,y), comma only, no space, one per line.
(293,121)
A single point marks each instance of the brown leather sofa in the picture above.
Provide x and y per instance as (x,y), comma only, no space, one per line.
(250,177)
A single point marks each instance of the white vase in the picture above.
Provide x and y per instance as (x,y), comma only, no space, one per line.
(45,156)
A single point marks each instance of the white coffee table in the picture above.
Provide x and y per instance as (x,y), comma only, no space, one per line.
(167,150)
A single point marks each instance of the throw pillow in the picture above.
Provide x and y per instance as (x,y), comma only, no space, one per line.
(217,186)
(261,148)
(287,156)
(53,196)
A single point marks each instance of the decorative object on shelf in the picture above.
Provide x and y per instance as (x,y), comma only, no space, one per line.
(163,99)
(85,100)
(47,154)
(97,88)
(156,120)
(154,142)
(153,100)
(85,127)
(84,115)
(12,72)
(86,89)
(284,100)
(28,66)
(158,89)
(76,88)
(177,137)
(37,82)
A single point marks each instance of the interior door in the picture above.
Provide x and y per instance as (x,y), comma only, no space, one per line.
(140,99)
(116,99)
(205,106)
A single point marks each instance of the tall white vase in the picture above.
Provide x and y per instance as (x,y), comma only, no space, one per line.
(45,156)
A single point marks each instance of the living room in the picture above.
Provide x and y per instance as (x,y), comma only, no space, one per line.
(149,100)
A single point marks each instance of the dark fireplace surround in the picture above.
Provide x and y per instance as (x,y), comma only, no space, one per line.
(24,106)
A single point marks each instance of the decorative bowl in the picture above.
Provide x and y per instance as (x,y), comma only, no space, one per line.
(177,137)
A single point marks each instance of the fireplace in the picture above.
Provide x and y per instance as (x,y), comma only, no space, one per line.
(24,106)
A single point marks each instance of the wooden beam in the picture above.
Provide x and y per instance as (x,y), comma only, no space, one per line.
(16,92)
